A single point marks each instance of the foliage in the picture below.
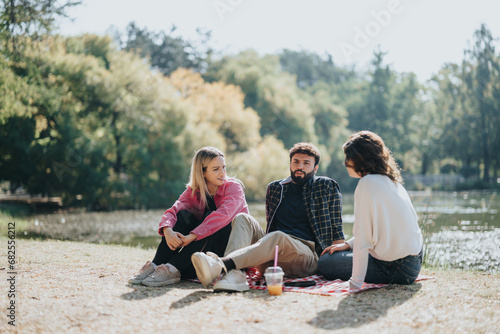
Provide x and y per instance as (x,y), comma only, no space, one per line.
(100,124)
(468,95)
(310,68)
(218,117)
(326,88)
(166,52)
(28,18)
(260,165)
(115,126)
(217,114)
(269,91)
(481,75)
(393,105)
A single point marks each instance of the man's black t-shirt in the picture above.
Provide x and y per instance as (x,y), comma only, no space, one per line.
(291,215)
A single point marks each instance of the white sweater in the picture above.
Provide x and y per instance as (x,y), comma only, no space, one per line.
(385,224)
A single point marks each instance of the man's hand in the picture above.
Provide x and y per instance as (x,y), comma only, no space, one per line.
(336,248)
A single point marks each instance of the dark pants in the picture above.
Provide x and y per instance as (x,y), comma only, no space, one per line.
(402,271)
(186,222)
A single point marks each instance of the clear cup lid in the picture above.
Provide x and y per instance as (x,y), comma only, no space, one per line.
(274,270)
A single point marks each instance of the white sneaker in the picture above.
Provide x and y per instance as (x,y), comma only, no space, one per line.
(162,276)
(235,280)
(145,271)
(208,267)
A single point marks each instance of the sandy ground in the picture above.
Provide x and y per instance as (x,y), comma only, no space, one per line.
(70,287)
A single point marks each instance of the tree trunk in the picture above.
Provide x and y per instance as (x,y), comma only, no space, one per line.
(118,162)
(484,141)
(425,164)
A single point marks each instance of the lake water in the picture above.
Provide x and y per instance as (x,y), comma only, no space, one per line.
(461,229)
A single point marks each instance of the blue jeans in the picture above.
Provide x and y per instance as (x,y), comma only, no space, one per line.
(402,271)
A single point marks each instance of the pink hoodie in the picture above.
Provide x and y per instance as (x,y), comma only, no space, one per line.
(229,200)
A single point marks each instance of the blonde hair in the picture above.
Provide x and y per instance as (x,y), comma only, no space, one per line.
(199,165)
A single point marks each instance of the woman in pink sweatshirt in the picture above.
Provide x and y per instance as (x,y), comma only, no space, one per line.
(200,220)
(387,242)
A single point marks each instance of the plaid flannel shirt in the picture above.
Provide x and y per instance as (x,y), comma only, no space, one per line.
(323,202)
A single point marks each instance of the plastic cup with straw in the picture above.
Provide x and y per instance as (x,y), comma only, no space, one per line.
(274,276)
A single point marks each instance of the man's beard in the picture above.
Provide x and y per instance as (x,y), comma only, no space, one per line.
(301,180)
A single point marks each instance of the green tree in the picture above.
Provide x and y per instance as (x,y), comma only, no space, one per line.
(217,114)
(98,125)
(310,69)
(375,113)
(411,124)
(166,52)
(33,18)
(258,166)
(481,74)
(136,114)
(331,127)
(458,138)
(393,105)
(269,91)
(329,89)
(467,96)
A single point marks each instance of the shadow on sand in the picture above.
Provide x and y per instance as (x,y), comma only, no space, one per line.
(358,309)
(140,292)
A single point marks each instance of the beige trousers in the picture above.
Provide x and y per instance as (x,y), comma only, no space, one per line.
(249,246)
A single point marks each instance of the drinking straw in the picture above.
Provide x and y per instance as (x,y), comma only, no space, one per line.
(275,258)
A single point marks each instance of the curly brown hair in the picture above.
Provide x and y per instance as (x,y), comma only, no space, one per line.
(307,149)
(367,153)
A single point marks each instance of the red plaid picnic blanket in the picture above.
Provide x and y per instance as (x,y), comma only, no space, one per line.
(322,287)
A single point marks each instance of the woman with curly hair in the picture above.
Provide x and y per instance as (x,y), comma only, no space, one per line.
(387,243)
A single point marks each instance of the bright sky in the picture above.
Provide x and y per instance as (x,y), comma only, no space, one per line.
(419,36)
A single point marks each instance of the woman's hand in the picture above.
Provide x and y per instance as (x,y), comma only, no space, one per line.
(172,238)
(336,248)
(187,239)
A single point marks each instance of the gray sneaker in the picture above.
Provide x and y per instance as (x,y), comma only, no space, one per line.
(145,271)
(162,276)
(208,267)
(235,281)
